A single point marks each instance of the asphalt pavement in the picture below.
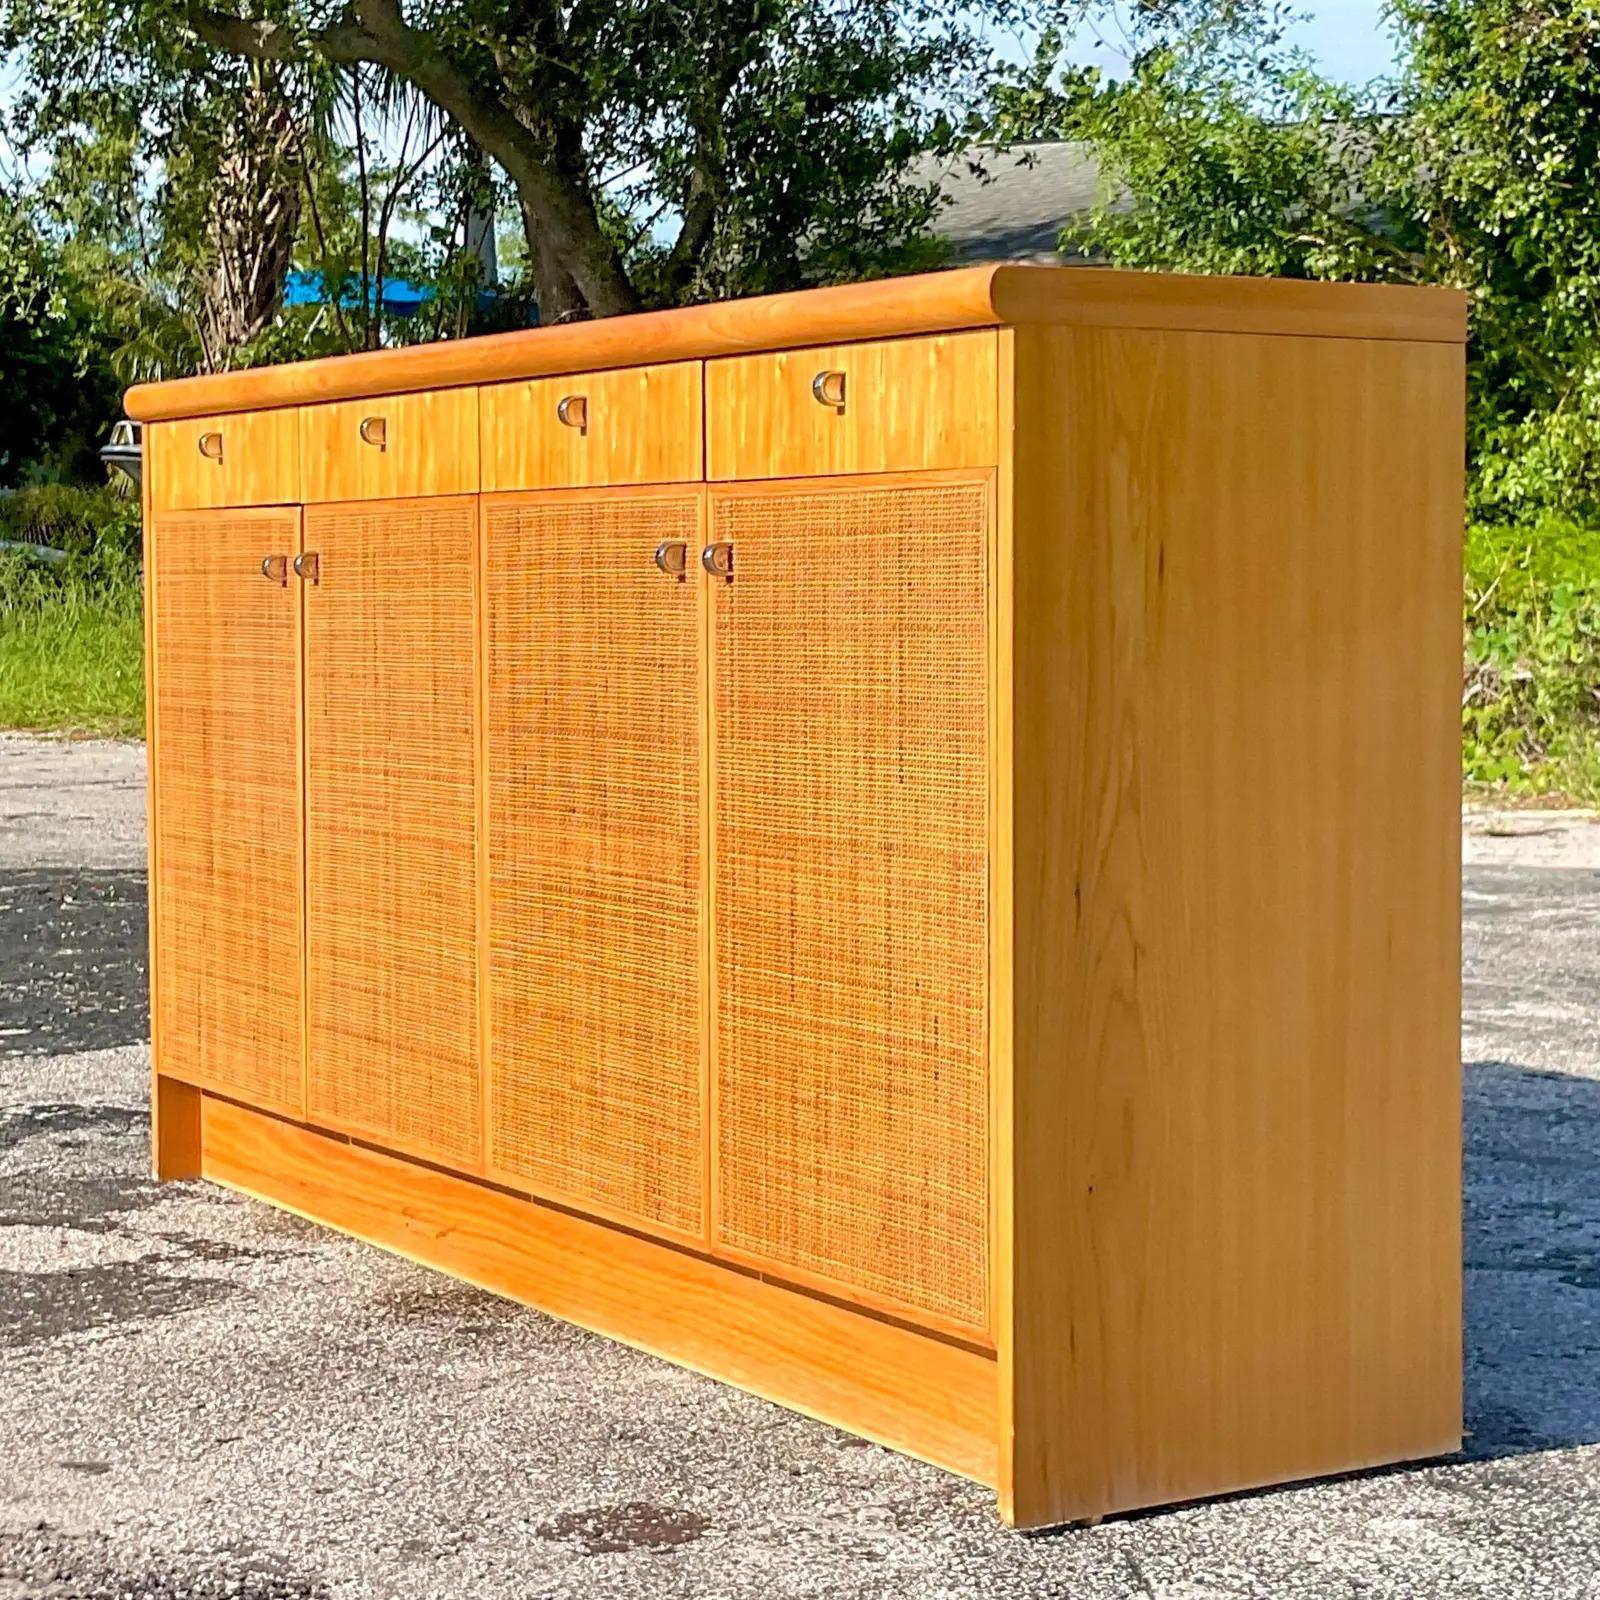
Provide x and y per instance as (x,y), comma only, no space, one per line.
(203,1397)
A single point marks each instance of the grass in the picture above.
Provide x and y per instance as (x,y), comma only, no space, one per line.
(71,652)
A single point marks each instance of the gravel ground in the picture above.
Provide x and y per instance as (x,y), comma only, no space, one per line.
(202,1397)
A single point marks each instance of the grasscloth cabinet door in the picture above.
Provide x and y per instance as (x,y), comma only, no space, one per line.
(226,747)
(592,781)
(391,830)
(849,815)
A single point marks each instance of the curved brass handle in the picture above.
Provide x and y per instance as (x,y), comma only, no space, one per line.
(308,565)
(211,446)
(717,559)
(827,388)
(672,556)
(375,431)
(573,410)
(275,569)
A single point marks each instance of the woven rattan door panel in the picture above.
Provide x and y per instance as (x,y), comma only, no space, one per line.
(850,863)
(391,830)
(226,720)
(592,749)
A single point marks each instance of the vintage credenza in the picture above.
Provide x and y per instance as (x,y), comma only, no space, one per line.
(897,845)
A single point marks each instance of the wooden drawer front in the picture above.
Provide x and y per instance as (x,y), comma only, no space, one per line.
(244,458)
(908,404)
(402,446)
(637,425)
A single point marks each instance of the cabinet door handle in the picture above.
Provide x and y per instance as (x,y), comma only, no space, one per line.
(828,389)
(275,569)
(211,446)
(375,431)
(672,556)
(308,565)
(717,559)
(573,410)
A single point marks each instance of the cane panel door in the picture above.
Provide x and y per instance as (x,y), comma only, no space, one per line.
(849,842)
(225,722)
(593,700)
(391,824)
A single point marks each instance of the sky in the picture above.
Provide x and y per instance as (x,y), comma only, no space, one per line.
(1348,38)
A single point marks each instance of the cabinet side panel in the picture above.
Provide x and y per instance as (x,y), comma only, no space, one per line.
(1236,1105)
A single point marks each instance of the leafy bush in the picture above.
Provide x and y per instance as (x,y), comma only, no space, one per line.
(1531,698)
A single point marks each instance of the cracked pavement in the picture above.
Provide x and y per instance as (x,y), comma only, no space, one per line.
(203,1397)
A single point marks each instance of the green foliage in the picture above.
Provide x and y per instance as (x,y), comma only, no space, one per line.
(96,525)
(1531,704)
(71,632)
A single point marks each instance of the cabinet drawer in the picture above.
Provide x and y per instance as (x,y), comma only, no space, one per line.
(593,430)
(402,446)
(243,458)
(896,405)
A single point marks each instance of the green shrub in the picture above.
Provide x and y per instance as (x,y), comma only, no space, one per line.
(1531,697)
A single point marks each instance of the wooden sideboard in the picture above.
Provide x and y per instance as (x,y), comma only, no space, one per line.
(896,845)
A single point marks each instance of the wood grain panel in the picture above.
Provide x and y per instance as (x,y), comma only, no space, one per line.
(1235,1117)
(593,747)
(849,826)
(429,446)
(909,404)
(225,717)
(391,829)
(251,459)
(913,1393)
(643,426)
(935,302)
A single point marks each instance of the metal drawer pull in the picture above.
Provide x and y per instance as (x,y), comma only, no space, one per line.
(211,446)
(828,389)
(275,569)
(308,566)
(573,410)
(717,559)
(375,431)
(672,556)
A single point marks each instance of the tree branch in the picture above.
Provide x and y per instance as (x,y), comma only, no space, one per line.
(559,216)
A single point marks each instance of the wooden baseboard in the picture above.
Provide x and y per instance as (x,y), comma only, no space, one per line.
(918,1394)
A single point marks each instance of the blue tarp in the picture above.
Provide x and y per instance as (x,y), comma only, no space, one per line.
(400,298)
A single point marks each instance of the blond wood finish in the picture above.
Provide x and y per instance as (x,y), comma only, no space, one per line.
(1234,1244)
(928,1398)
(908,405)
(225,700)
(594,895)
(972,297)
(391,825)
(849,816)
(393,447)
(249,459)
(642,425)
(174,1129)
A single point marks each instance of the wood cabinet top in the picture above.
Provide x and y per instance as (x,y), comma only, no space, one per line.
(969,297)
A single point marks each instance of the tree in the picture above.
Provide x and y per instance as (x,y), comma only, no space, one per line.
(658,150)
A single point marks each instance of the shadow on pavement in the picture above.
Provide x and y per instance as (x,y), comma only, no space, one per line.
(72,960)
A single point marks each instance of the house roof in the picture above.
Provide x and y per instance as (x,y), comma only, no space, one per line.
(1011,205)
